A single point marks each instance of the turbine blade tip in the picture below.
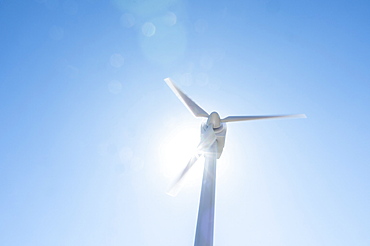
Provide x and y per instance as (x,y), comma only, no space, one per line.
(168,81)
(172,193)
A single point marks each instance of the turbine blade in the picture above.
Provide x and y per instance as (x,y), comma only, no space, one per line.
(190,104)
(178,182)
(262,117)
(208,138)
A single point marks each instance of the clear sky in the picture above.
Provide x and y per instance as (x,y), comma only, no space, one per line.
(91,136)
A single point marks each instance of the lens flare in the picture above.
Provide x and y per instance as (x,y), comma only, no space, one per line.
(175,152)
(148,29)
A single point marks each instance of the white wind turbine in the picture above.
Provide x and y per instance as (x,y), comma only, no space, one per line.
(213,133)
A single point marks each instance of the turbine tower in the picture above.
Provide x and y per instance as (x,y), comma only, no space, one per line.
(213,133)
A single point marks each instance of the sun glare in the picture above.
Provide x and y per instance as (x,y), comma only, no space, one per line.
(177,149)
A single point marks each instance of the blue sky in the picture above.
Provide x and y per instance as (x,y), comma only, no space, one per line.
(91,136)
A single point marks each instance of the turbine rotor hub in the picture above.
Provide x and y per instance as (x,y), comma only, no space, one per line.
(214,119)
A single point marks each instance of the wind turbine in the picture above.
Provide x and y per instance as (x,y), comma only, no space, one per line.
(212,142)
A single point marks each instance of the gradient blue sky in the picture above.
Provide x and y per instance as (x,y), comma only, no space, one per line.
(88,124)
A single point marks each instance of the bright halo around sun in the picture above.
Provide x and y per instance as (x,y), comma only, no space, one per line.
(176,150)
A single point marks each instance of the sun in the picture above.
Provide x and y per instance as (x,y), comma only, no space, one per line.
(176,150)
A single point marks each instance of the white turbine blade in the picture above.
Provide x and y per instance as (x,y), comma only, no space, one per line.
(262,117)
(208,138)
(178,182)
(190,104)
